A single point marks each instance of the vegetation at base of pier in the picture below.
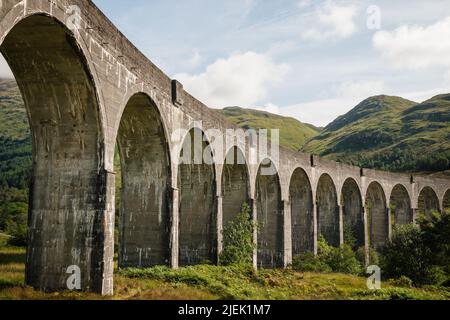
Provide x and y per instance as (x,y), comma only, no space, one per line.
(212,282)
(238,246)
(420,253)
(330,259)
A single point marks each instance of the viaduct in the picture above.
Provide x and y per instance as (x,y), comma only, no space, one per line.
(86,88)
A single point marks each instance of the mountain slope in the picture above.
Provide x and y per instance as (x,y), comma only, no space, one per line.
(15,137)
(293,133)
(390,133)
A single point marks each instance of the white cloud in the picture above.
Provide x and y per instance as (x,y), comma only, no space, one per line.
(334,21)
(195,60)
(243,79)
(416,47)
(269,107)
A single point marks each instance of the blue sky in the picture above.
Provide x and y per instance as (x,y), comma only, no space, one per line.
(313,60)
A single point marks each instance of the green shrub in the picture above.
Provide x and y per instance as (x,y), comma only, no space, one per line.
(374,259)
(238,239)
(406,255)
(343,260)
(421,253)
(328,259)
(308,262)
(403,282)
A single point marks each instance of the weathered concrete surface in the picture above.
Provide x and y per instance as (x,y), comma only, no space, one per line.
(270,221)
(197,233)
(351,202)
(302,213)
(378,215)
(145,163)
(328,211)
(77,84)
(400,206)
(235,185)
(428,201)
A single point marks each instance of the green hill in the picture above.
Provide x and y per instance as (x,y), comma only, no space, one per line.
(390,133)
(293,133)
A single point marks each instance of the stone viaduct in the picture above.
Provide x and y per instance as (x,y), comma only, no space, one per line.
(87,87)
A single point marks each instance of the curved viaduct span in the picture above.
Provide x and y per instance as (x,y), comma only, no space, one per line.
(87,87)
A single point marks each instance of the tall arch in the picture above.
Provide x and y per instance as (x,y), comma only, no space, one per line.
(446,201)
(400,206)
(353,211)
(428,202)
(328,210)
(270,217)
(69,184)
(377,215)
(235,185)
(300,193)
(145,162)
(197,208)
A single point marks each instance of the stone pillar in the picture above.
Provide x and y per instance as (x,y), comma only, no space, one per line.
(255,232)
(287,239)
(174,230)
(104,284)
(72,247)
(341,225)
(366,235)
(415,215)
(316,229)
(389,215)
(219,227)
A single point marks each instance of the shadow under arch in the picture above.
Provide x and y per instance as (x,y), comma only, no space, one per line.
(353,213)
(400,206)
(235,184)
(198,206)
(446,201)
(328,210)
(428,202)
(301,198)
(69,183)
(377,215)
(269,217)
(144,223)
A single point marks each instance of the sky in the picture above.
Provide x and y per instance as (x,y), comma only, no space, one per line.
(312,60)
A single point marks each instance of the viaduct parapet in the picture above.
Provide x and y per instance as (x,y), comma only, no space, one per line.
(86,87)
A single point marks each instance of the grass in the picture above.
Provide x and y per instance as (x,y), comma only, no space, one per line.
(212,283)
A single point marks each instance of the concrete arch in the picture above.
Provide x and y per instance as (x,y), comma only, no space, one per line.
(377,215)
(328,210)
(302,212)
(146,179)
(65,117)
(446,201)
(197,207)
(428,201)
(235,184)
(400,206)
(270,217)
(352,208)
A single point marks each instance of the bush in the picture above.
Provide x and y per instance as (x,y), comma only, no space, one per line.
(238,239)
(406,255)
(328,259)
(403,282)
(343,260)
(374,259)
(308,262)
